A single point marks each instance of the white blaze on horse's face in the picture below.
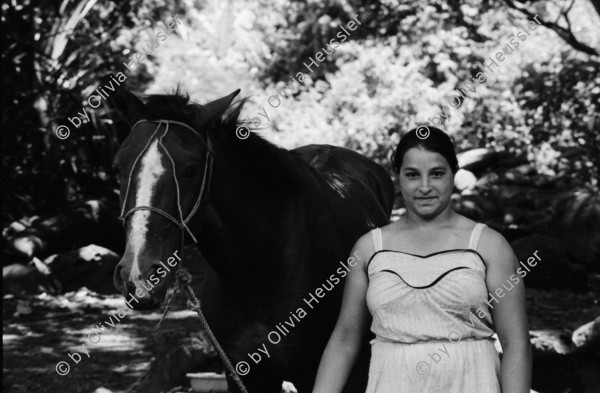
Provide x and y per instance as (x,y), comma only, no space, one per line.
(151,170)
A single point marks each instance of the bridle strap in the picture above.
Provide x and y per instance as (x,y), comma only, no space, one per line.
(183,277)
(181,222)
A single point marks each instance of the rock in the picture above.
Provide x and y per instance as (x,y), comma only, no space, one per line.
(18,226)
(40,266)
(22,248)
(22,279)
(554,271)
(587,337)
(558,366)
(477,160)
(464,180)
(91,267)
(95,221)
(551,341)
(288,387)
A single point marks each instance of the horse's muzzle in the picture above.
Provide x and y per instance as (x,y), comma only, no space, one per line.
(139,294)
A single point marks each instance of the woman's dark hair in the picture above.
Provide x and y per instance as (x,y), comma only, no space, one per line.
(429,138)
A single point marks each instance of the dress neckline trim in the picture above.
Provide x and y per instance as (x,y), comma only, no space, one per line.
(431,255)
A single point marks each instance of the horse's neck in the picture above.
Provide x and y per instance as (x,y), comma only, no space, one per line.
(247,226)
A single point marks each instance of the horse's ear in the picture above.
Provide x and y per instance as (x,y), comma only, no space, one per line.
(216,108)
(128,104)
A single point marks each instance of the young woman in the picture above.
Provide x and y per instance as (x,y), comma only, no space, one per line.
(429,281)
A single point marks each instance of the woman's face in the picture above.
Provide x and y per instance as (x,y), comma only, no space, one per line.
(426,182)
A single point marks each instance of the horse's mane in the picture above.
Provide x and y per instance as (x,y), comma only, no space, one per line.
(274,162)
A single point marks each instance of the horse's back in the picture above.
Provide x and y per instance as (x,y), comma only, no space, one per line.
(352,176)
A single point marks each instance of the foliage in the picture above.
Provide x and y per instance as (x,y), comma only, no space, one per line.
(56,54)
(561,100)
(540,102)
(404,62)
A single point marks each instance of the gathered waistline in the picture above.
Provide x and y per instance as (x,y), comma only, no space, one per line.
(432,341)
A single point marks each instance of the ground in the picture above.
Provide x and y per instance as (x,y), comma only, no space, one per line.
(39,331)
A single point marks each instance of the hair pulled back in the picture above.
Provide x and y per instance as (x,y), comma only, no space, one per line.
(429,138)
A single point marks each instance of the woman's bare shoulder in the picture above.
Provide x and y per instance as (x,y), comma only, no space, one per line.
(494,247)
(364,248)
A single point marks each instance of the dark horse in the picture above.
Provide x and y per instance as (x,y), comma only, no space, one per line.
(273,225)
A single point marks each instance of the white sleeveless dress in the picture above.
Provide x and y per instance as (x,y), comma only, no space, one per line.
(429,336)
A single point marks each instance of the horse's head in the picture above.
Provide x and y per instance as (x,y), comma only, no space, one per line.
(164,166)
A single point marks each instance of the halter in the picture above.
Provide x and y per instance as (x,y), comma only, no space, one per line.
(182,222)
(183,277)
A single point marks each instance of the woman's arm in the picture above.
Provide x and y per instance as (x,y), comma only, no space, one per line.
(345,341)
(508,312)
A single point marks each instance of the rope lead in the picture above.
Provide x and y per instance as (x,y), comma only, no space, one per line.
(183,279)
